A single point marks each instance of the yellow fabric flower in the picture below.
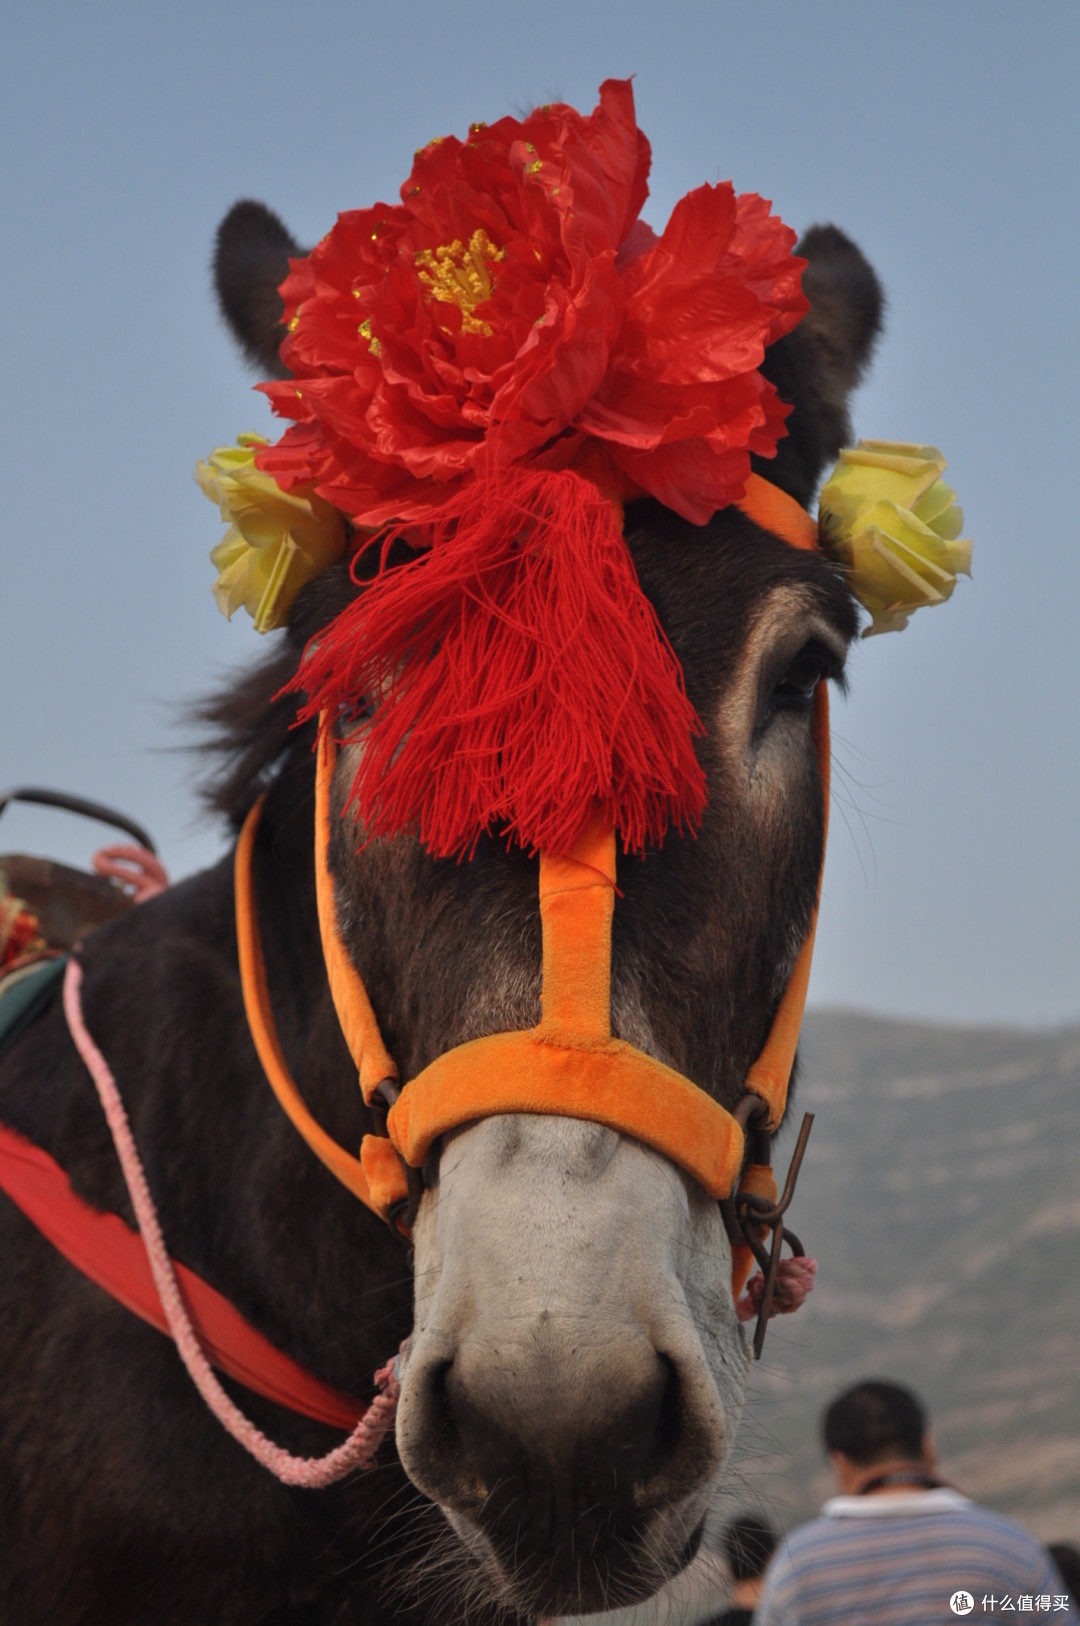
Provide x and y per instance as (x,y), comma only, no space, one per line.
(890,519)
(276,541)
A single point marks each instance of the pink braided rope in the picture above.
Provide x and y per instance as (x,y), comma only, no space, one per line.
(312,1473)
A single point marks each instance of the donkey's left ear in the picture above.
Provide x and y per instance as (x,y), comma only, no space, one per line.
(846,304)
(818,364)
(251,260)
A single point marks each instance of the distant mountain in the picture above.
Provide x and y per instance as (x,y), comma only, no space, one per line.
(941,1195)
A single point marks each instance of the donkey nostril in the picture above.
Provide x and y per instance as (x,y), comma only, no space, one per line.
(442,1437)
(441,1461)
(436,1377)
(440,1406)
(663,1440)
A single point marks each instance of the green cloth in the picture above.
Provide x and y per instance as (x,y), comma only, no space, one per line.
(25,994)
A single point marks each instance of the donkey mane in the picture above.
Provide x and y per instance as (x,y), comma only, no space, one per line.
(249,732)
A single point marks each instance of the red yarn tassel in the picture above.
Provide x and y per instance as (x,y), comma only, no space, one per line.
(521,677)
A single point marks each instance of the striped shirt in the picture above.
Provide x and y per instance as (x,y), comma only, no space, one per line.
(898,1559)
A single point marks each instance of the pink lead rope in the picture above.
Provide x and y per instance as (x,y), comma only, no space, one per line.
(311,1473)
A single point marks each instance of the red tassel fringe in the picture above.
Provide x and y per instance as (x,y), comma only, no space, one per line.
(521,675)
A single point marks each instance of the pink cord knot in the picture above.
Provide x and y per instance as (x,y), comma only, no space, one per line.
(794,1280)
(139,873)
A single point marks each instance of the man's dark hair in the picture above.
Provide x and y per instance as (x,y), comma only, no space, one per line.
(1067,1559)
(874,1422)
(748,1546)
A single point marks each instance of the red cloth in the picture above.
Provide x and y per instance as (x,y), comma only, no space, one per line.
(113,1256)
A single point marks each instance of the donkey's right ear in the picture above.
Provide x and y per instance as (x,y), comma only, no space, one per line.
(251,260)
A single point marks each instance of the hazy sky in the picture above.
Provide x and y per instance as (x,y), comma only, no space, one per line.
(943,137)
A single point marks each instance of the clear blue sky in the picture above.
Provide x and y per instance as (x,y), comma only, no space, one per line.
(942,136)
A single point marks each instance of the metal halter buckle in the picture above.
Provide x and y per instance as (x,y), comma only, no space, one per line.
(747,1215)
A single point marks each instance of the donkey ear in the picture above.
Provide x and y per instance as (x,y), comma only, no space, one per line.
(846,303)
(251,260)
(820,362)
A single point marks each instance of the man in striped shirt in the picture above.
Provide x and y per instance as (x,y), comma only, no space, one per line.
(897,1547)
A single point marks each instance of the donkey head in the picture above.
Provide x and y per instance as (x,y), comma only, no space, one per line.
(576,1372)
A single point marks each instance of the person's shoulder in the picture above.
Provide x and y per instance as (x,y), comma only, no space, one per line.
(1016,1551)
(804,1536)
(995,1524)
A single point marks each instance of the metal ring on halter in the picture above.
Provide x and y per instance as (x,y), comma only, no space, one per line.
(746,1215)
(383,1097)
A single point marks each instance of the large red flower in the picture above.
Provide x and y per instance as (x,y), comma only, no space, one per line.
(515,307)
(488,365)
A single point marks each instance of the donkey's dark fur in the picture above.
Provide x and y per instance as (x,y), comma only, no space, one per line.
(122,1501)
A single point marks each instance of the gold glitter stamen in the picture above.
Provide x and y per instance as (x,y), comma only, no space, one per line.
(461,276)
(365,332)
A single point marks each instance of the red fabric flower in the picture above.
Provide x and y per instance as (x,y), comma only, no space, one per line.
(514,306)
(475,365)
(20,931)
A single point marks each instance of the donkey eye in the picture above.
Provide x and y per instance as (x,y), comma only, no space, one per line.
(352,715)
(795,690)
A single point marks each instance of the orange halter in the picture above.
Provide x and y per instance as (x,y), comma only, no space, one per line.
(569,1065)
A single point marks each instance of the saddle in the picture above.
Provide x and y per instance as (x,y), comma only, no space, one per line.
(46,907)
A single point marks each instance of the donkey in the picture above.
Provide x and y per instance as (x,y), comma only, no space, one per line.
(576,1370)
